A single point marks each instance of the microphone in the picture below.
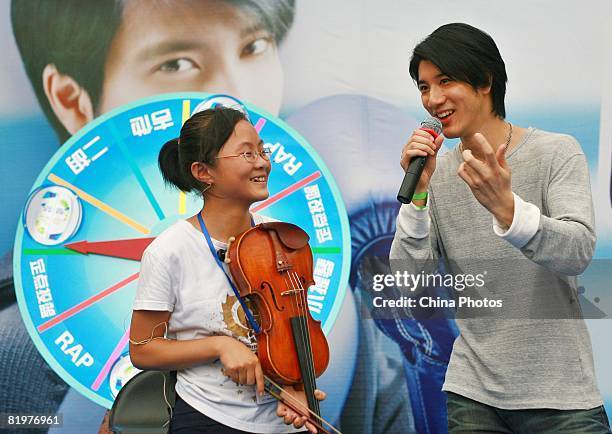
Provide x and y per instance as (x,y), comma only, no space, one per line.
(411,178)
(221,255)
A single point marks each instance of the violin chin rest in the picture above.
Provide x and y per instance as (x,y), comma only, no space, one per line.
(290,235)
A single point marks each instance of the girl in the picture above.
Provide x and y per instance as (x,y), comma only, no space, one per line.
(184,291)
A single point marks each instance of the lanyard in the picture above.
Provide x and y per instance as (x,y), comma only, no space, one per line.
(211,246)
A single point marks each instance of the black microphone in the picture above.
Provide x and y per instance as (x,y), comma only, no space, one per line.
(411,178)
(221,255)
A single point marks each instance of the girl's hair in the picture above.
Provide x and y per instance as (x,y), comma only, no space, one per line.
(202,137)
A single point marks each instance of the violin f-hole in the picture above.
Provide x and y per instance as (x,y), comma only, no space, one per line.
(266,285)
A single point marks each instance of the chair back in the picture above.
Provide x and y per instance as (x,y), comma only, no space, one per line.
(143,405)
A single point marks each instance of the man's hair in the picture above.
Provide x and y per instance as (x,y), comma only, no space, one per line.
(75,36)
(467,54)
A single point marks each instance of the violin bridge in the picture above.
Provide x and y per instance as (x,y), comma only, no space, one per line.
(230,240)
(292,291)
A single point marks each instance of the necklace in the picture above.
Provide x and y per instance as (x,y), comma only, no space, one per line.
(508,139)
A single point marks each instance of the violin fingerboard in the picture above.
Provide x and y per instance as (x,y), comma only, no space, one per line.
(301,338)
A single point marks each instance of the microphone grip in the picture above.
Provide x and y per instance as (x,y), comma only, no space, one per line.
(411,179)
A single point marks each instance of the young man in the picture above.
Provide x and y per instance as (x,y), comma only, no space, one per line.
(512,205)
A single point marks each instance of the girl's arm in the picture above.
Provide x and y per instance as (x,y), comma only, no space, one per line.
(150,350)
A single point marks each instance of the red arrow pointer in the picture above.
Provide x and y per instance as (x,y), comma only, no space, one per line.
(126,249)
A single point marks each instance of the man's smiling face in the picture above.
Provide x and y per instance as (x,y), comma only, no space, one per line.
(461,108)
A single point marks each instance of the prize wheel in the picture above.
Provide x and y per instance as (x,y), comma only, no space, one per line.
(101,200)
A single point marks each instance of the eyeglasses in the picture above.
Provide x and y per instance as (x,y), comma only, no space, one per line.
(250,156)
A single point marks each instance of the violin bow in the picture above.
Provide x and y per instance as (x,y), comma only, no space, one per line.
(313,418)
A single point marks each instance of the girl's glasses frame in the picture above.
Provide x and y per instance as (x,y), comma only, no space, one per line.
(250,156)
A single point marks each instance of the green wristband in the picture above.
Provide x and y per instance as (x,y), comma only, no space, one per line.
(420,196)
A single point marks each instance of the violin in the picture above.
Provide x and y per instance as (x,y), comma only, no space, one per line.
(272,267)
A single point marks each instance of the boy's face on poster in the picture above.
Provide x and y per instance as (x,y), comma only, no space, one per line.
(208,46)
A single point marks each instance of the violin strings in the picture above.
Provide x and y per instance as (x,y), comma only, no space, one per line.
(306,339)
(304,296)
(298,403)
(304,331)
(296,311)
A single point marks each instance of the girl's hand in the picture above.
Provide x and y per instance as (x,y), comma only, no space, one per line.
(241,364)
(299,401)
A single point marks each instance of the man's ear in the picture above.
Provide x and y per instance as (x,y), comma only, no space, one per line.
(69,101)
(487,87)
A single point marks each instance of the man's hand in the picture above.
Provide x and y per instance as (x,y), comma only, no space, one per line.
(489,178)
(421,144)
(299,397)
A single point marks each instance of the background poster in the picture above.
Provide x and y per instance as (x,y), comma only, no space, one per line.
(346,87)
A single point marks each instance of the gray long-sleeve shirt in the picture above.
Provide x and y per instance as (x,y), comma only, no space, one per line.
(534,351)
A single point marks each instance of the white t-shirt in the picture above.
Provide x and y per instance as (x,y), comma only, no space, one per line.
(179,274)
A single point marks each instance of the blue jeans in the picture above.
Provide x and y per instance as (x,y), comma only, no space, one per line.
(188,420)
(468,416)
